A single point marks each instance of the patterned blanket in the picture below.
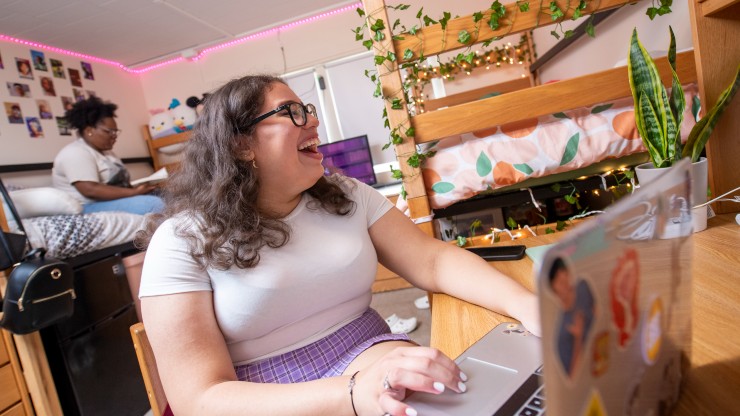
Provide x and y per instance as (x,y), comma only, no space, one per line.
(66,236)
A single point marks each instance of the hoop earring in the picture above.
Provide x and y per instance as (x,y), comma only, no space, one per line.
(254,164)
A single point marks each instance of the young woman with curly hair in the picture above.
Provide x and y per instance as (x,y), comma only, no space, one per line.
(88,169)
(257,281)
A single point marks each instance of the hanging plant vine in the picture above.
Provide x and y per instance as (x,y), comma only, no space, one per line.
(496,17)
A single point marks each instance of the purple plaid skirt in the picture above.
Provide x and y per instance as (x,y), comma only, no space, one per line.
(326,357)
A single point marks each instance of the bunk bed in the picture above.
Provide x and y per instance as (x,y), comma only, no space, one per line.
(517,112)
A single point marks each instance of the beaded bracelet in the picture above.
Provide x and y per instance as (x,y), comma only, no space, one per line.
(351,386)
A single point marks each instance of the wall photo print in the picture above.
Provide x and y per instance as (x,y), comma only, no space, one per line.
(47,85)
(44,110)
(39,61)
(34,127)
(67,103)
(74,77)
(87,70)
(18,89)
(13,110)
(63,125)
(57,68)
(24,68)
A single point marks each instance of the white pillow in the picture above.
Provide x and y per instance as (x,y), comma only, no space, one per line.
(40,202)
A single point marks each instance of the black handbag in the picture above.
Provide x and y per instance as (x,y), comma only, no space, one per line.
(40,290)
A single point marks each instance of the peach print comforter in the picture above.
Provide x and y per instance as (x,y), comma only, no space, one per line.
(489,159)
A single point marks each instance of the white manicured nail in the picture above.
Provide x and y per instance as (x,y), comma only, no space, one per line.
(463,376)
(463,388)
(439,386)
(410,411)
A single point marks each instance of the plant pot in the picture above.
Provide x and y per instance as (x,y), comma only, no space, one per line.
(646,172)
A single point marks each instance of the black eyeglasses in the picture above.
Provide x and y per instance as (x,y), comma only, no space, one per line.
(297,112)
(112,132)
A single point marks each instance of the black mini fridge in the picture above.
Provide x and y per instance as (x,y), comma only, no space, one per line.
(91,355)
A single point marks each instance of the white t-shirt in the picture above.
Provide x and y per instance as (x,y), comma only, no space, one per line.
(78,161)
(299,293)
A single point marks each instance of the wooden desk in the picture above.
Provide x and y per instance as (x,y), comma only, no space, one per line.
(713,383)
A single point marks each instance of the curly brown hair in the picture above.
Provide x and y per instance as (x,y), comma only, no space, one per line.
(219,188)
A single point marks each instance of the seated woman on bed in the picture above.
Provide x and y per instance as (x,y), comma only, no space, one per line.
(88,170)
(257,281)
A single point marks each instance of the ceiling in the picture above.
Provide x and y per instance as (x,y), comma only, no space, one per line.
(137,32)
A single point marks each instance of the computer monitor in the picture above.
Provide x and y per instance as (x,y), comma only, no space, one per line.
(350,157)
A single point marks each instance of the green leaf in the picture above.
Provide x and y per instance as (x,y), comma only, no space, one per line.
(410,132)
(651,12)
(463,37)
(523,6)
(379,59)
(703,129)
(555,187)
(549,230)
(445,18)
(652,139)
(477,17)
(461,241)
(560,115)
(560,225)
(677,100)
(419,13)
(511,223)
(407,54)
(483,165)
(600,108)
(360,12)
(396,173)
(524,168)
(555,34)
(567,34)
(396,104)
(590,30)
(429,21)
(570,149)
(443,187)
(368,44)
(378,25)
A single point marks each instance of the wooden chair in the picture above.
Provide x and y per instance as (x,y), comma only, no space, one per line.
(155,144)
(148,366)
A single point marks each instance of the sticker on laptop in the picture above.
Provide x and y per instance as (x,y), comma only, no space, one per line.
(600,356)
(624,289)
(576,316)
(652,331)
(595,405)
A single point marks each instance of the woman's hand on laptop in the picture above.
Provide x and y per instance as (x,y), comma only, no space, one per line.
(381,387)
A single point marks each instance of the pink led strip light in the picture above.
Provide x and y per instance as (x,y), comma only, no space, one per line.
(200,55)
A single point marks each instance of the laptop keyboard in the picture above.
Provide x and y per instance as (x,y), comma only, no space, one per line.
(528,400)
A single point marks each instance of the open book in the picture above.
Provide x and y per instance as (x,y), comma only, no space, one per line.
(152,179)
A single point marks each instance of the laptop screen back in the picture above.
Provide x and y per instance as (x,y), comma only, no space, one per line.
(615,298)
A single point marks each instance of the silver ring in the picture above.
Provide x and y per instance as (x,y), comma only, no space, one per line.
(387,384)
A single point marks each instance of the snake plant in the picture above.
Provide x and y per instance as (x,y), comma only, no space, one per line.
(658,116)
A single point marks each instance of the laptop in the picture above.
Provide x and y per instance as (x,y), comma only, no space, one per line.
(615,305)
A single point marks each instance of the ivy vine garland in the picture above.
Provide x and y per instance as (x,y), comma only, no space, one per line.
(495,17)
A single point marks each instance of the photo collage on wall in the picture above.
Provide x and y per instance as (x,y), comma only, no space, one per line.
(32,90)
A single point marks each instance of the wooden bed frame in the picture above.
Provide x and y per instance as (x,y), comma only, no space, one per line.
(155,144)
(710,65)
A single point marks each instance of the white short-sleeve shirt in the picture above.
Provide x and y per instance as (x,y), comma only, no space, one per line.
(78,161)
(299,293)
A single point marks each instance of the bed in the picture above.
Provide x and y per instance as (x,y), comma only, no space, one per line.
(503,142)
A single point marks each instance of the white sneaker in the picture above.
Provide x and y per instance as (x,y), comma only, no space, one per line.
(422,302)
(401,326)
